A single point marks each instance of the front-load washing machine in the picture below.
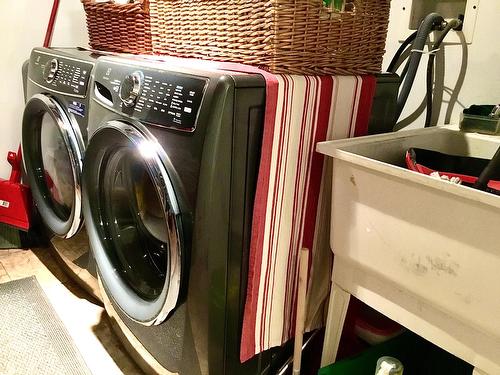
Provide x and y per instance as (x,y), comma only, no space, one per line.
(54,135)
(169,179)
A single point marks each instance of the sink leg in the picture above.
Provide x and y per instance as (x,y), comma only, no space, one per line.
(337,310)
(478,372)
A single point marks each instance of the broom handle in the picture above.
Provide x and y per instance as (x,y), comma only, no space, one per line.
(50,26)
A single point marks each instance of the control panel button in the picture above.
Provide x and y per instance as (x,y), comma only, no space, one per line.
(50,70)
(131,88)
(61,74)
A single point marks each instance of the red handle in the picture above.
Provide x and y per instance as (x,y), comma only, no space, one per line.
(15,160)
(50,26)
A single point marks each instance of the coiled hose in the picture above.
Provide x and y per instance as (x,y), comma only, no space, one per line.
(430,22)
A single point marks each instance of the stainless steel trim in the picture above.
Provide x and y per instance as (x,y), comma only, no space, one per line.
(55,91)
(73,140)
(143,358)
(152,154)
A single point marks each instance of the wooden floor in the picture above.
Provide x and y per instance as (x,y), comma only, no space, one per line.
(83,317)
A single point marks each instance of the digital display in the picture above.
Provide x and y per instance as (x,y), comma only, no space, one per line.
(171,100)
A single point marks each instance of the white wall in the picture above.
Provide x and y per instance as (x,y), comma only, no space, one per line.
(481,81)
(22,27)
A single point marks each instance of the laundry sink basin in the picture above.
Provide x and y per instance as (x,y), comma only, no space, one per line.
(436,241)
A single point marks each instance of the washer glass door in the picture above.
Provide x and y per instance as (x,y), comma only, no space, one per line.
(53,155)
(134,221)
(57,171)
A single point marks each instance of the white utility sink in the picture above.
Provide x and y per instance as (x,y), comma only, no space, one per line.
(423,251)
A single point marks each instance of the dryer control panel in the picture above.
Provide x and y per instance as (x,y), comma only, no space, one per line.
(59,73)
(157,97)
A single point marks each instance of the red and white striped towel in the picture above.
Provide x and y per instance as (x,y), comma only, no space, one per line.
(291,207)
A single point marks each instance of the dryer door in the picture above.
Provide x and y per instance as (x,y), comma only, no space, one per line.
(134,221)
(53,155)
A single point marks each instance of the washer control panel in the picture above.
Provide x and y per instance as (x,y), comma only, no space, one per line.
(157,97)
(61,74)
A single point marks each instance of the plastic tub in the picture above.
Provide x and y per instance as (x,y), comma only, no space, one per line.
(479,124)
(434,241)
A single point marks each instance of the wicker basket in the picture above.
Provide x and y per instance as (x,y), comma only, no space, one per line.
(285,36)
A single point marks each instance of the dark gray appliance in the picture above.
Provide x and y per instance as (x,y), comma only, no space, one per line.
(168,185)
(54,135)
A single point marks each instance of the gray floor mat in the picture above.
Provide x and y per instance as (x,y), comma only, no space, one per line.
(33,340)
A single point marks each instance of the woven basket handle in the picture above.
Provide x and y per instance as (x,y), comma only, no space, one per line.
(144,4)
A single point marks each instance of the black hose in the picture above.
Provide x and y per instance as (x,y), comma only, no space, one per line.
(488,172)
(428,24)
(454,23)
(428,91)
(404,71)
(392,65)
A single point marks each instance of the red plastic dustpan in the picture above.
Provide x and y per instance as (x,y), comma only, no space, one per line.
(15,197)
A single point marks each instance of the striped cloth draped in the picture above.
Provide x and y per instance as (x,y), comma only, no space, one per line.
(292,203)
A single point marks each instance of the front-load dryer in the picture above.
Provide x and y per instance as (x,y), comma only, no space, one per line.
(169,179)
(54,135)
